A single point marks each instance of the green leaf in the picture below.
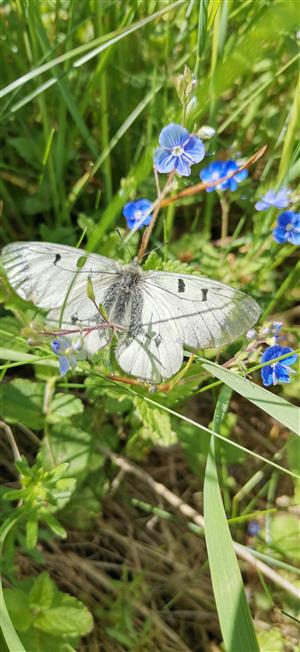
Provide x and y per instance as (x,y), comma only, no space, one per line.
(22,402)
(277,407)
(55,526)
(31,532)
(64,406)
(284,535)
(16,603)
(65,621)
(69,444)
(42,592)
(271,640)
(10,334)
(156,428)
(232,606)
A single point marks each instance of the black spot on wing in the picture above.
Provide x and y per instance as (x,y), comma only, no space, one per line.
(181,285)
(56,259)
(204,294)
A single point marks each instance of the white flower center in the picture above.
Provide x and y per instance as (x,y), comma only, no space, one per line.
(289,227)
(138,215)
(177,150)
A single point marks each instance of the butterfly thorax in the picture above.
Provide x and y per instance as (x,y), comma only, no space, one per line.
(123,300)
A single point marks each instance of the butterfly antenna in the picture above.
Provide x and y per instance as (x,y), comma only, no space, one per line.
(156,248)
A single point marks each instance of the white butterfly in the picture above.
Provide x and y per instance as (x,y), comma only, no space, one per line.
(160,311)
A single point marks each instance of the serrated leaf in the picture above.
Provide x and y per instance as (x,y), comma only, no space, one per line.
(64,406)
(22,402)
(42,592)
(155,431)
(65,621)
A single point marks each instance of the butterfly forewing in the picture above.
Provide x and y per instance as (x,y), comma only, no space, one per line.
(160,311)
(54,277)
(207,313)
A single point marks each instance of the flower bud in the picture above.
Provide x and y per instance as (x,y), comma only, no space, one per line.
(206,132)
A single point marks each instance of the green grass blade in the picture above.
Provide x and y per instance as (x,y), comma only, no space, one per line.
(202,428)
(275,406)
(10,635)
(105,42)
(131,118)
(232,606)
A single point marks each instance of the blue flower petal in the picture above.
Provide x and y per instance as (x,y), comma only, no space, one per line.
(142,205)
(56,346)
(195,149)
(218,170)
(267,375)
(275,351)
(64,365)
(285,218)
(261,205)
(241,176)
(280,234)
(173,135)
(282,374)
(164,161)
(183,166)
(294,237)
(290,360)
(230,184)
(279,199)
(129,209)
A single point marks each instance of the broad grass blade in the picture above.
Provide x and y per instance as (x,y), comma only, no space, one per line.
(232,606)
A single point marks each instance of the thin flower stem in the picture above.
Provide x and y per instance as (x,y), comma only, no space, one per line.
(224,217)
(11,439)
(192,190)
(147,233)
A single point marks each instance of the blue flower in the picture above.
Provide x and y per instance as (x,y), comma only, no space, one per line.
(279,199)
(178,150)
(134,212)
(277,371)
(253,528)
(288,228)
(220,169)
(66,352)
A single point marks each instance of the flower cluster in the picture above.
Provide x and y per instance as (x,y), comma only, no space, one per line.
(220,169)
